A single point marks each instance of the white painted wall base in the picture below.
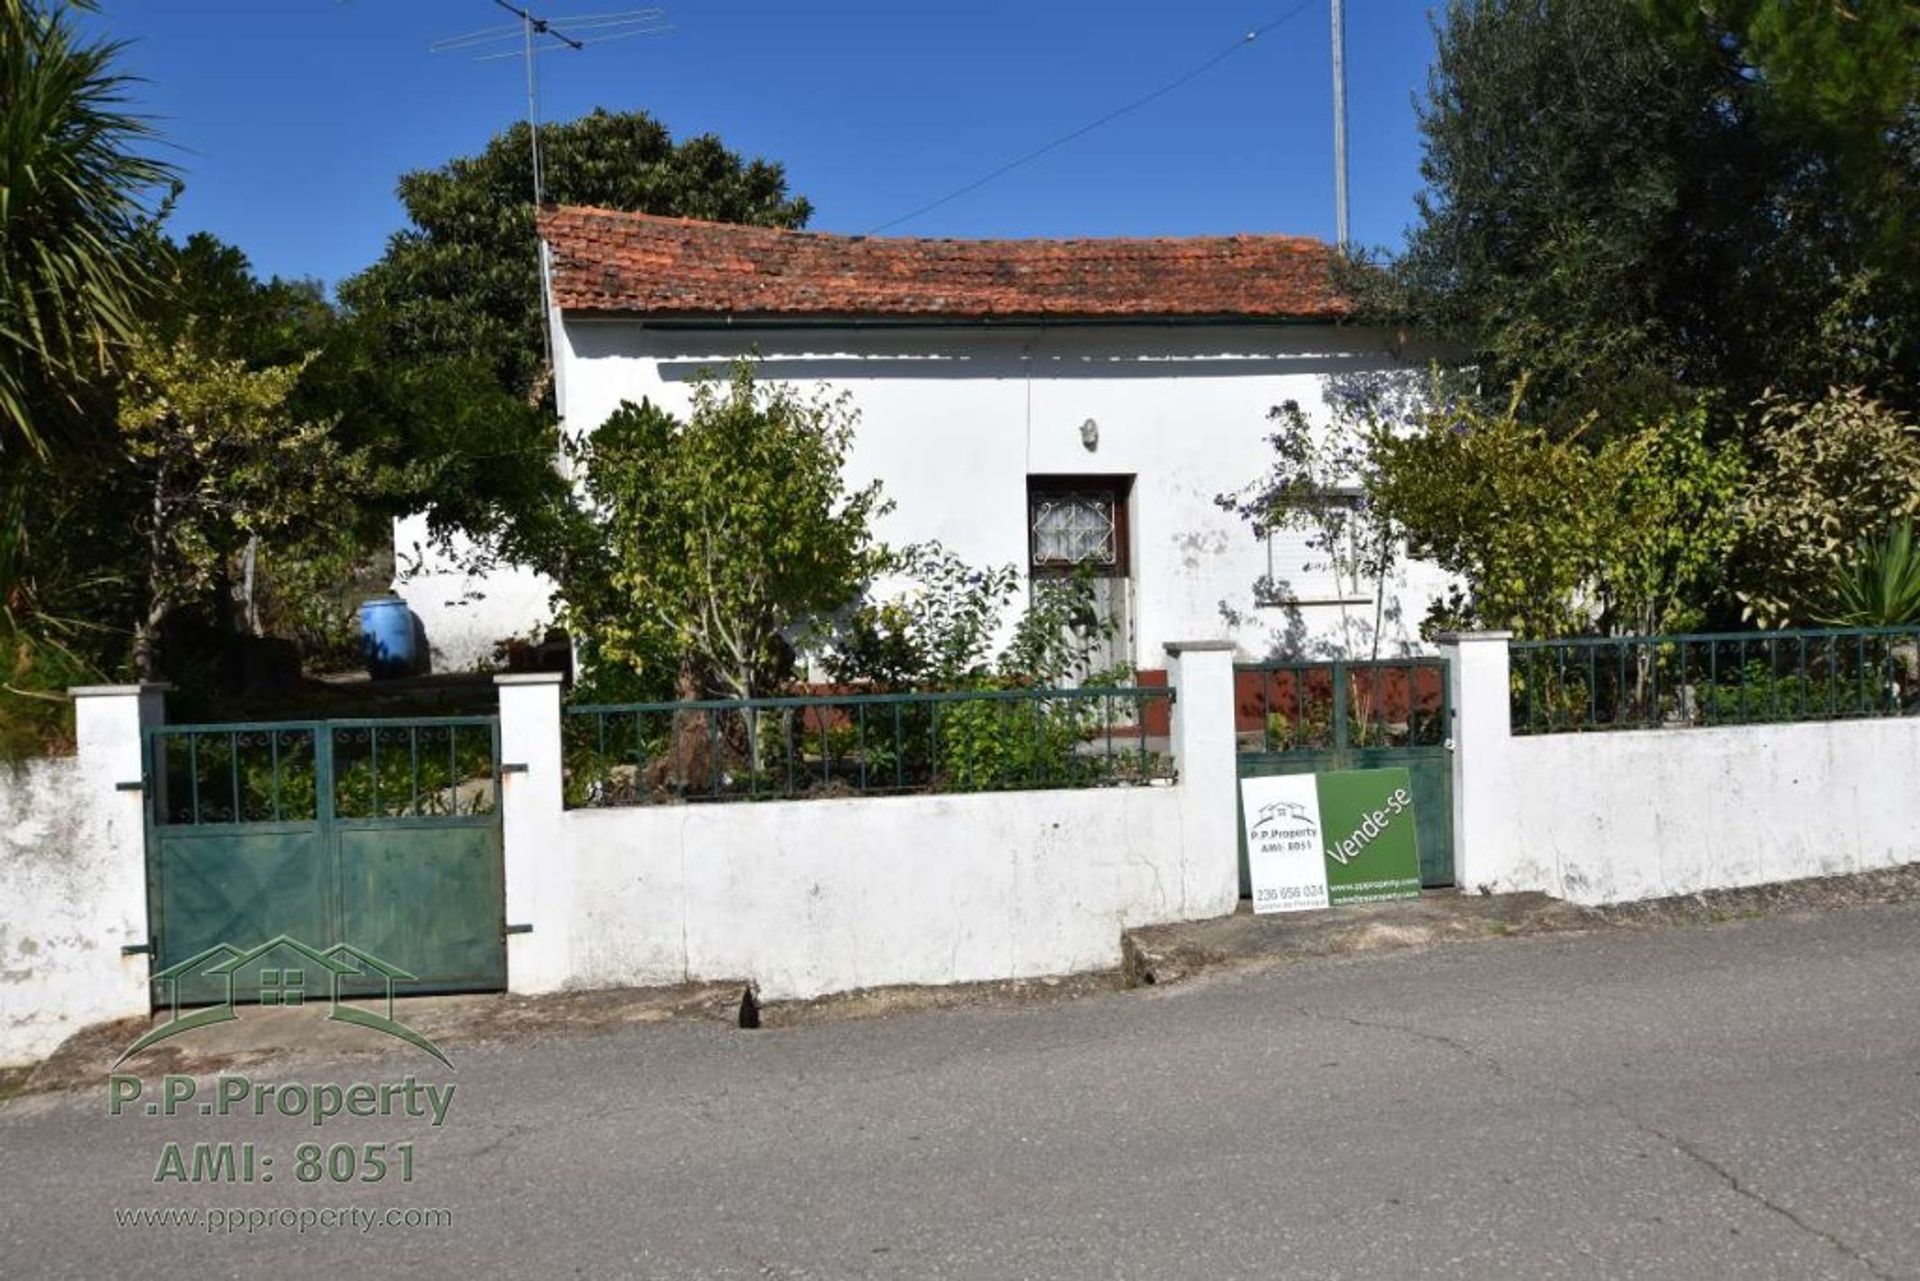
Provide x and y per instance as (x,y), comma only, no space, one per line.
(73,884)
(1616,816)
(805,898)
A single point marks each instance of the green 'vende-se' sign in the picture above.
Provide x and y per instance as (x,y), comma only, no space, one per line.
(1320,840)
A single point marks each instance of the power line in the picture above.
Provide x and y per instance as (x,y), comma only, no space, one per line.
(1028,158)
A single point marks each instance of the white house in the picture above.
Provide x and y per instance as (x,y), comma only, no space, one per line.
(1034,402)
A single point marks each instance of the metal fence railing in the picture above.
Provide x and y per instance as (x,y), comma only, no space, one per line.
(1334,706)
(282,771)
(1734,678)
(862,745)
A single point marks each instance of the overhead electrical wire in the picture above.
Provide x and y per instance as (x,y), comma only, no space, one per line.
(1027,158)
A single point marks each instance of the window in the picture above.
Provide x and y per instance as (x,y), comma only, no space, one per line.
(1303,570)
(1076,523)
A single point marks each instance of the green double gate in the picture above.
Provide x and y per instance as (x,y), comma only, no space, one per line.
(383,836)
(1312,718)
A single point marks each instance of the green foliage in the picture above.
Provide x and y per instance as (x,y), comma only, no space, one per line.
(1668,526)
(939,632)
(1881,587)
(938,635)
(221,460)
(443,352)
(1638,203)
(462,281)
(1553,536)
(724,541)
(448,771)
(73,181)
(990,744)
(1828,471)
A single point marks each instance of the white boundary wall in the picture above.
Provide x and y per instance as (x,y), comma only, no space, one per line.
(73,879)
(1609,817)
(805,898)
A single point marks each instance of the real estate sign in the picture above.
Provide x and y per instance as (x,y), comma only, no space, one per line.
(1320,840)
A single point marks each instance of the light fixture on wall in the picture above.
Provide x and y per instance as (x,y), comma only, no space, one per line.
(1090,435)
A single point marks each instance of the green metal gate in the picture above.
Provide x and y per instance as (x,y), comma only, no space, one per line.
(382,835)
(1309,718)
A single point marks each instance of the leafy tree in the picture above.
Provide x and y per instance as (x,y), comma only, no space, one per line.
(209,286)
(1830,472)
(1636,203)
(1834,90)
(221,460)
(73,180)
(463,281)
(726,540)
(1553,537)
(445,339)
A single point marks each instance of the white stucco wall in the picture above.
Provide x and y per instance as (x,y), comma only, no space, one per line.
(466,612)
(1612,817)
(805,898)
(73,883)
(953,420)
(1607,818)
(810,897)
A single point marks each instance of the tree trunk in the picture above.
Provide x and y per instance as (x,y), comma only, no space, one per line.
(146,638)
(146,633)
(690,747)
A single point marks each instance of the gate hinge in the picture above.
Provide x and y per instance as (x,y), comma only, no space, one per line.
(133,785)
(514,768)
(519,929)
(137,949)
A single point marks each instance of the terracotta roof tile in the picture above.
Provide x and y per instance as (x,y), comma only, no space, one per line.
(635,264)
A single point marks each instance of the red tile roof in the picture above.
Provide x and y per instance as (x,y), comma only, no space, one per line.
(636,264)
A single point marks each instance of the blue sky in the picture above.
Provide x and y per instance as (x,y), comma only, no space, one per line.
(293,118)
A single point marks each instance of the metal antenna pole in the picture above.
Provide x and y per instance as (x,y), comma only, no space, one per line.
(529,27)
(487,44)
(1340,229)
(533,113)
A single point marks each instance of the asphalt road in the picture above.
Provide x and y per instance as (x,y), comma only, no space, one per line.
(1698,1102)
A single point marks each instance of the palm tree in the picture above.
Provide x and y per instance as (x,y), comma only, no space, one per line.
(75,188)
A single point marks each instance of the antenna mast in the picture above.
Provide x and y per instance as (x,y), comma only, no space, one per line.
(531,26)
(597,28)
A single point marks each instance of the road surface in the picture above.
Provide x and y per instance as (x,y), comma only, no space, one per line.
(1690,1102)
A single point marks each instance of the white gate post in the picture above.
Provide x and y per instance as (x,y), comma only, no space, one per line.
(1479,675)
(1201,673)
(110,724)
(539,872)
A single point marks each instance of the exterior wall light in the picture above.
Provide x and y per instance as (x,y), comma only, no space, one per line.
(1090,435)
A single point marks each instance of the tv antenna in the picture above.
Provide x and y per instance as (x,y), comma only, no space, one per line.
(531,36)
(528,38)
